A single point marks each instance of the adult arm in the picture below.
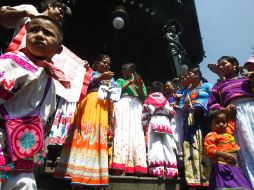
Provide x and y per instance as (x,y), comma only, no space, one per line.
(11,16)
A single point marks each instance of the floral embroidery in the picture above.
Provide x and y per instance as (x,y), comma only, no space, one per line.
(27,140)
(7,84)
(229,137)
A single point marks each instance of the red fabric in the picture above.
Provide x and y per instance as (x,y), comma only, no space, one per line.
(54,72)
(86,82)
(50,68)
(156,99)
(16,41)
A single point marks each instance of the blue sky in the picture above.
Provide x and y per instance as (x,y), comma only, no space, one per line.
(227,28)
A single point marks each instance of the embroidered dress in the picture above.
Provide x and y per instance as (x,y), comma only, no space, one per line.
(238,92)
(196,163)
(158,115)
(61,122)
(129,151)
(223,175)
(84,158)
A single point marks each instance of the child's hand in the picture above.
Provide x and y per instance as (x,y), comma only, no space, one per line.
(132,81)
(138,81)
(186,105)
(86,64)
(229,158)
(251,75)
(230,110)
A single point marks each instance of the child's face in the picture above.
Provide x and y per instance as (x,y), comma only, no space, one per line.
(103,65)
(249,66)
(43,39)
(192,77)
(219,123)
(183,80)
(227,69)
(169,87)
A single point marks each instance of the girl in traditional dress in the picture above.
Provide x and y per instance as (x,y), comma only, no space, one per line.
(221,148)
(129,152)
(194,105)
(158,116)
(172,93)
(84,158)
(233,95)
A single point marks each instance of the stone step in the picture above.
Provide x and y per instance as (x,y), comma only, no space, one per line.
(48,182)
(45,181)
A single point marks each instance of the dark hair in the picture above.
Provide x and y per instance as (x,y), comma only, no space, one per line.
(157,86)
(213,114)
(231,60)
(131,67)
(58,26)
(98,59)
(56,3)
(198,72)
(172,83)
(195,71)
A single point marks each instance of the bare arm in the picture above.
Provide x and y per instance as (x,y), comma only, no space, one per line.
(10,16)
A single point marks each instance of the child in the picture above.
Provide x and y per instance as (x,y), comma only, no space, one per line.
(172,93)
(194,109)
(234,96)
(24,75)
(221,148)
(248,71)
(158,115)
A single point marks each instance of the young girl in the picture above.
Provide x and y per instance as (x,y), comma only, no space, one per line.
(129,152)
(221,148)
(158,115)
(194,107)
(172,93)
(234,96)
(84,158)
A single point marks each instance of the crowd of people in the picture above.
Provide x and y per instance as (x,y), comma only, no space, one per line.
(186,127)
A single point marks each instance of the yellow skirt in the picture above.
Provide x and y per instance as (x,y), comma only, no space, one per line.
(84,158)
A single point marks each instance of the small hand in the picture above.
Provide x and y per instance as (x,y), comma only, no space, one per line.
(186,105)
(132,81)
(229,158)
(230,110)
(250,75)
(107,75)
(138,81)
(86,64)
